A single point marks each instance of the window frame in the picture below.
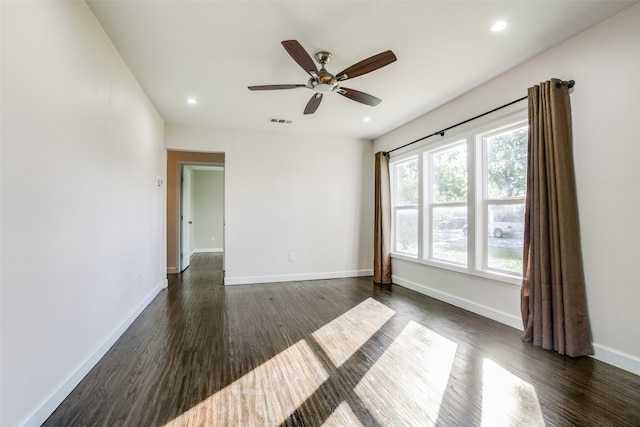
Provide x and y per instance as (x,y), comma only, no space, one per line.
(477,237)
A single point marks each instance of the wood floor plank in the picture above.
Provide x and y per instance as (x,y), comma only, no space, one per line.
(334,352)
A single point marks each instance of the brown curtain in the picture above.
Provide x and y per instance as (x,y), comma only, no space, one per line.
(554,304)
(382,225)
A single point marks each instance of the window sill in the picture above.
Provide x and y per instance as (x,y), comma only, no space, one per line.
(491,275)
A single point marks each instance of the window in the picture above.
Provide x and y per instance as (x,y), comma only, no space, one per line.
(405,206)
(447,195)
(504,188)
(458,203)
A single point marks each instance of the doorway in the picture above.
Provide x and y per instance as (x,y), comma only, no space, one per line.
(201,211)
(175,162)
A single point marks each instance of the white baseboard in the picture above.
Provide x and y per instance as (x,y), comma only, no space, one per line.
(173,270)
(617,358)
(482,310)
(207,250)
(602,353)
(49,405)
(249,280)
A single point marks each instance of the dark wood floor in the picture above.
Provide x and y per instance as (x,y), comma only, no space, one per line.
(334,352)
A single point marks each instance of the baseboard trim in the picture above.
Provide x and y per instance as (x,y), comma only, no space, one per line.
(251,280)
(482,310)
(49,405)
(617,358)
(207,250)
(172,270)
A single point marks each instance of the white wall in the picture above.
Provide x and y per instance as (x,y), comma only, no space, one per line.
(208,213)
(284,193)
(605,63)
(82,215)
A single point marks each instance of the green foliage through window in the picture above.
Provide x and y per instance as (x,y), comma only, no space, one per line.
(507,164)
(450,174)
(407,183)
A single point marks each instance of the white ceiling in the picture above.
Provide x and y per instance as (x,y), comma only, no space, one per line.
(213,50)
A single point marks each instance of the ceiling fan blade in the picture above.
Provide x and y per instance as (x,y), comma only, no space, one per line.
(358,96)
(274,87)
(313,103)
(368,65)
(301,56)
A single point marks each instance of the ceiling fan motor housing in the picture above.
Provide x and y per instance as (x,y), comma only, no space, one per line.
(323,81)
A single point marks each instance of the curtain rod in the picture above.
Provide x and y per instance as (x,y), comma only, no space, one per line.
(568,83)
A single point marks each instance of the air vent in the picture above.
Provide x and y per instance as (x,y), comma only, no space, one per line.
(282,121)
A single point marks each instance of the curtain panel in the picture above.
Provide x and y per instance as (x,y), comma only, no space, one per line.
(382,221)
(553,303)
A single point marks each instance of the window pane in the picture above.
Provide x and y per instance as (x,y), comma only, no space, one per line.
(449,242)
(407,231)
(406,183)
(507,164)
(449,175)
(505,224)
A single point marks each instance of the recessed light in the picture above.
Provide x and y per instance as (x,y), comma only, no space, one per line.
(192,101)
(498,26)
(366,119)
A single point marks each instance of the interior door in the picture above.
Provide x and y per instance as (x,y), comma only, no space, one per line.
(185,217)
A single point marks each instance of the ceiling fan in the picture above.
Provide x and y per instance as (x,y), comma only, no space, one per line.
(322,81)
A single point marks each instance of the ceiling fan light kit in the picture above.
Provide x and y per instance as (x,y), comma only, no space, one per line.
(321,81)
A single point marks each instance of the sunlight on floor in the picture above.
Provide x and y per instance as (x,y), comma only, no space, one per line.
(265,396)
(508,400)
(404,386)
(342,416)
(407,383)
(343,336)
